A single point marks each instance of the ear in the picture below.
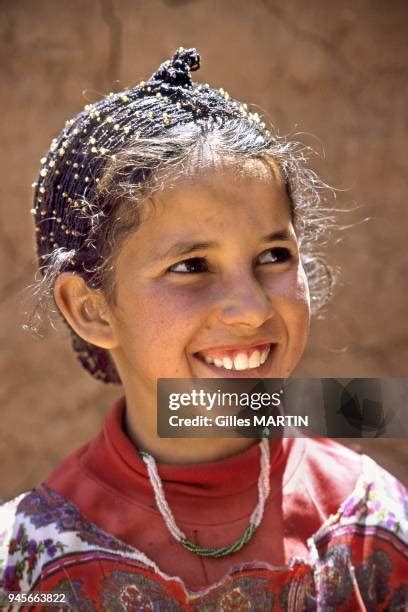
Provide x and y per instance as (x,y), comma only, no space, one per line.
(85,309)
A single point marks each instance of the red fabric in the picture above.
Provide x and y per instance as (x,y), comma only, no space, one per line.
(212,502)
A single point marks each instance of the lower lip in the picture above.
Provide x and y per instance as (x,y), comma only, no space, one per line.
(252,373)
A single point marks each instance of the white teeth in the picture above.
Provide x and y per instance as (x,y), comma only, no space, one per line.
(255,360)
(227,363)
(241,362)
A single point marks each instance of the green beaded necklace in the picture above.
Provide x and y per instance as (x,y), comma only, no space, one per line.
(254,522)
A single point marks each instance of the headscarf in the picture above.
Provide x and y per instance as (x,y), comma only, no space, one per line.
(66,201)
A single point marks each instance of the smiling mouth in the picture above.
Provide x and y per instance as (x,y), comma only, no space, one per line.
(237,360)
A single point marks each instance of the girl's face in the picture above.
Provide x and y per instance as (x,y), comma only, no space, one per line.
(211,283)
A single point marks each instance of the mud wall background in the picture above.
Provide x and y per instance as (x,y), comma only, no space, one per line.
(334,71)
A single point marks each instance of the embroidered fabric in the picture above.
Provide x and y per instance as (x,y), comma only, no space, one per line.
(357,560)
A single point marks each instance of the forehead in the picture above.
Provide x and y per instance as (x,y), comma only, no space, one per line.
(223,196)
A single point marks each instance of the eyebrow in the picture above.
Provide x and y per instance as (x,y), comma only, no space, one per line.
(184,248)
(281,235)
(187,247)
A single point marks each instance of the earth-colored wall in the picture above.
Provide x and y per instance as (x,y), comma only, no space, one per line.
(335,71)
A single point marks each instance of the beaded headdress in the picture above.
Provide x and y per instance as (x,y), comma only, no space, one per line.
(66,193)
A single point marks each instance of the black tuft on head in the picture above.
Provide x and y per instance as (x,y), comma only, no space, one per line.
(177,71)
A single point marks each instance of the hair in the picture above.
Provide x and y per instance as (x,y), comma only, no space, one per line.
(91,223)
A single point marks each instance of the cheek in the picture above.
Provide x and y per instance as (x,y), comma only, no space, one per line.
(302,290)
(298,320)
(293,302)
(175,308)
(301,302)
(290,293)
(159,320)
(291,289)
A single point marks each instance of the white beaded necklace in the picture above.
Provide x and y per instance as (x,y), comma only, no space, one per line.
(254,521)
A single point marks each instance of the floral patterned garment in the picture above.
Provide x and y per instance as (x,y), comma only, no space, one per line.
(357,560)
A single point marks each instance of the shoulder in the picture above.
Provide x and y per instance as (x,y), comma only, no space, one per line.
(328,456)
(47,545)
(328,472)
(40,530)
(16,543)
(36,528)
(365,543)
(374,511)
(379,500)
(331,462)
(336,477)
(29,537)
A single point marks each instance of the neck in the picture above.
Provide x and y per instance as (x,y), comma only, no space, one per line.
(179,450)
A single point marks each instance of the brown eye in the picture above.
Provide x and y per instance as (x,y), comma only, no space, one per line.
(195,265)
(275,255)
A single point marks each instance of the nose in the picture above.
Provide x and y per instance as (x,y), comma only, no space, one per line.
(244,302)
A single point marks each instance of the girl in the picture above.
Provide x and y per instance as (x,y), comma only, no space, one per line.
(169,223)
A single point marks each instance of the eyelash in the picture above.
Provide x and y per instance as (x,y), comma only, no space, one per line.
(281,255)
